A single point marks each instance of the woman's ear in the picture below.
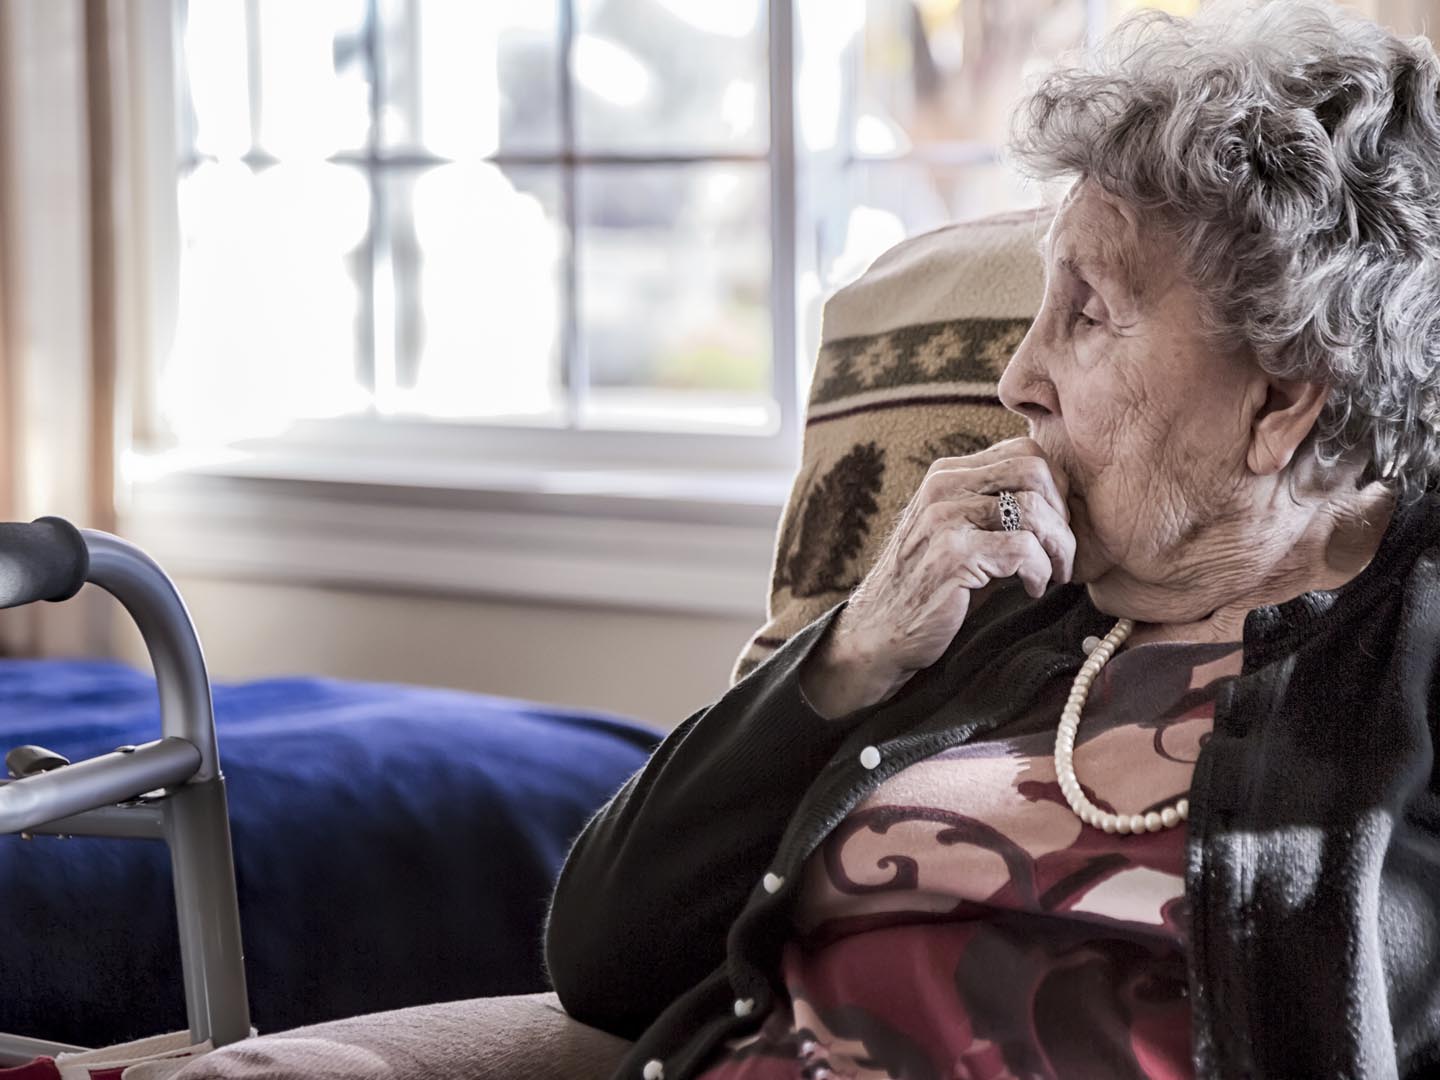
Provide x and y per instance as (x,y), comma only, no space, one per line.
(1280,425)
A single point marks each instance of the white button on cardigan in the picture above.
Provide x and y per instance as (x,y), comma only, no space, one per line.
(654,1070)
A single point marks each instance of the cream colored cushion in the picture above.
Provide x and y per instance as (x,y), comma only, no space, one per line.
(909,358)
(527,1037)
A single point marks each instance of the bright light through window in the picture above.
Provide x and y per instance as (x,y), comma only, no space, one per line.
(245,376)
(562,214)
(492,324)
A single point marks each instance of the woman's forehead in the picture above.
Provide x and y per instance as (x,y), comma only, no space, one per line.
(1098,238)
(1093,229)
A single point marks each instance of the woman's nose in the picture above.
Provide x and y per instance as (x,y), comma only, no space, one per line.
(1025,386)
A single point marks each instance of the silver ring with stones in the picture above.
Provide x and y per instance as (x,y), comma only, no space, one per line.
(1009,511)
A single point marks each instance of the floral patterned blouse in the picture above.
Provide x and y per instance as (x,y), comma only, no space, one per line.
(963,923)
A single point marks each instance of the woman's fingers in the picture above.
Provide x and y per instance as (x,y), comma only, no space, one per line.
(1037,516)
(975,557)
(982,512)
(1014,464)
(1006,474)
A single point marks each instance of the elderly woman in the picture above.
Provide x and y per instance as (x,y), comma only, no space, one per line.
(1121,760)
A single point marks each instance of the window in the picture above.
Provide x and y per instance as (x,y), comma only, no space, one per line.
(544,217)
(572,224)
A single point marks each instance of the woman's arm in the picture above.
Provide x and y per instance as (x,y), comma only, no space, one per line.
(836,682)
(651,886)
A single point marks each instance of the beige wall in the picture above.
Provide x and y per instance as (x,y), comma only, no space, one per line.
(652,666)
(1403,16)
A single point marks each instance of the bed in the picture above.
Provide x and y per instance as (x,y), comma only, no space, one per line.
(394,846)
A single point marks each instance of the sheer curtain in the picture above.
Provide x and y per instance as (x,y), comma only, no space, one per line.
(59,328)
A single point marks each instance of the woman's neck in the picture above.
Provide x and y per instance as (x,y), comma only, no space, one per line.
(1328,547)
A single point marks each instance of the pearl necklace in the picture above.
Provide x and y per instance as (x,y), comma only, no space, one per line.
(1084,809)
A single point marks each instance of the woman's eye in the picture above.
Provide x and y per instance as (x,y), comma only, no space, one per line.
(1078,316)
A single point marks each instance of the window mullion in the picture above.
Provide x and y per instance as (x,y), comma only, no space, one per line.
(252,69)
(1096,12)
(783,201)
(378,299)
(573,366)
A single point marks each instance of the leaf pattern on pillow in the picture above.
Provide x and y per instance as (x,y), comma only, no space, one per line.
(833,523)
(955,444)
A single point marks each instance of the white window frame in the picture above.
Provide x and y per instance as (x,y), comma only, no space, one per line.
(669,521)
(356,440)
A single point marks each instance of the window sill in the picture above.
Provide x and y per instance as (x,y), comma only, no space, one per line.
(694,541)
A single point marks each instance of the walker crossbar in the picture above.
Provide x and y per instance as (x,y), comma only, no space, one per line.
(170,789)
(134,822)
(101,781)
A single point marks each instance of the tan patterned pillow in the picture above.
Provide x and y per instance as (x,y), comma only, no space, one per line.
(910,354)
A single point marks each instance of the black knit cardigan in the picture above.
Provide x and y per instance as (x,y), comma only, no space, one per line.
(1312,851)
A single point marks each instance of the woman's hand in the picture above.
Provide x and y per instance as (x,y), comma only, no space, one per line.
(947,544)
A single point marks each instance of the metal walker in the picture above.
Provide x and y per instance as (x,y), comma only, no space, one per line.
(170,789)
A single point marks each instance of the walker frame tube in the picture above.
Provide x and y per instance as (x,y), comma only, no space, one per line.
(118,795)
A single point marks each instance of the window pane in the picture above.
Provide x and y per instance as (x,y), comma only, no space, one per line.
(671,75)
(465,79)
(877,204)
(478,253)
(946,71)
(216,116)
(314,77)
(269,325)
(675,295)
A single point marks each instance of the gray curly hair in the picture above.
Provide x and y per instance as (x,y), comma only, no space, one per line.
(1290,151)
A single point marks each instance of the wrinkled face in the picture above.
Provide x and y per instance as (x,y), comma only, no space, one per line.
(1149,424)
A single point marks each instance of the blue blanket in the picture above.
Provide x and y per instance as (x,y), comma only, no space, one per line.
(394,846)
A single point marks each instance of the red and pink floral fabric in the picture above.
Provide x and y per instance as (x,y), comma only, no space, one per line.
(962,923)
